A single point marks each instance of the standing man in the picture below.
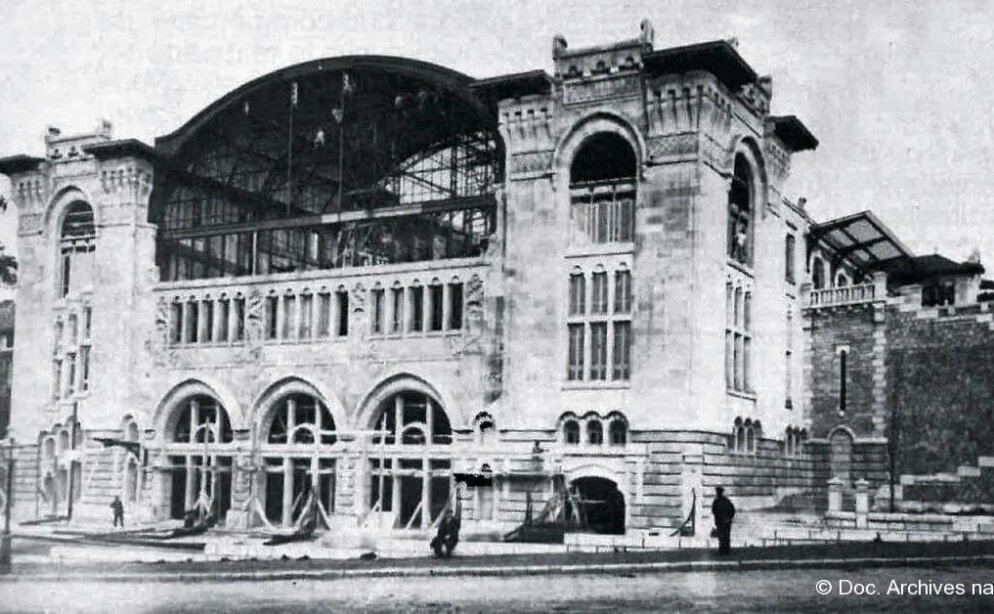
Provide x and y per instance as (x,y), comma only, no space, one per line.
(118,509)
(723,512)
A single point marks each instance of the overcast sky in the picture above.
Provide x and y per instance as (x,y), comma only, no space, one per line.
(898,93)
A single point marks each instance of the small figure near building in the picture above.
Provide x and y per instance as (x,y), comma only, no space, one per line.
(447,537)
(118,509)
(723,512)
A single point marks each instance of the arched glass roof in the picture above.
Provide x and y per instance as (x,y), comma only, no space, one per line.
(347,161)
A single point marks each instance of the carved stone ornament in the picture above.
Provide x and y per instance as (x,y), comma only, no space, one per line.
(157,343)
(253,325)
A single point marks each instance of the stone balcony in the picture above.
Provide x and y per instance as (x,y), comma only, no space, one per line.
(842,296)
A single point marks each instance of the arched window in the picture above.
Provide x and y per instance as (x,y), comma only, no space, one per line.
(301,419)
(200,474)
(571,432)
(740,213)
(202,419)
(411,483)
(76,243)
(602,190)
(618,431)
(841,280)
(818,274)
(595,432)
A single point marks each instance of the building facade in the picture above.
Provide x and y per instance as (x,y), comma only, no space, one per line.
(351,278)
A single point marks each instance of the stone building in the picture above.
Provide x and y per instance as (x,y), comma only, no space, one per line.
(350,278)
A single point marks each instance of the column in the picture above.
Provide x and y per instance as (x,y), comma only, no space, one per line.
(835,495)
(425,491)
(190,493)
(862,503)
(291,417)
(295,325)
(280,314)
(232,313)
(425,308)
(201,321)
(446,306)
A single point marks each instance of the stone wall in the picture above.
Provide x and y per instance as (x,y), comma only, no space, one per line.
(940,380)
(831,331)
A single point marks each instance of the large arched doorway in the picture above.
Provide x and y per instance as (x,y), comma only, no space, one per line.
(200,455)
(601,506)
(299,454)
(410,461)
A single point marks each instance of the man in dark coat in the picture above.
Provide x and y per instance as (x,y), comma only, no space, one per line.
(118,508)
(447,537)
(723,512)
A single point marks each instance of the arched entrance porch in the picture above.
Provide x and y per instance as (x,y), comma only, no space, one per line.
(597,506)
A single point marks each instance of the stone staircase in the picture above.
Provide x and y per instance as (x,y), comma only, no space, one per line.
(970,490)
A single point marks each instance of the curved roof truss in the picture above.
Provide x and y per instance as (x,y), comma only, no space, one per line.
(354,160)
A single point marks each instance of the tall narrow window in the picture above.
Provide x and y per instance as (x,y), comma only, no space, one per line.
(208,307)
(598,295)
(788,258)
(843,360)
(598,351)
(239,333)
(57,379)
(176,322)
(70,373)
(740,209)
(306,314)
(747,341)
(738,340)
(417,308)
(342,308)
(577,294)
(272,315)
(289,316)
(376,322)
(789,362)
(622,350)
(437,307)
(192,321)
(455,305)
(575,371)
(397,310)
(622,291)
(84,367)
(223,315)
(324,314)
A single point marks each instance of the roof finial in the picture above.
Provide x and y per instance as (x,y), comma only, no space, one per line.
(647,34)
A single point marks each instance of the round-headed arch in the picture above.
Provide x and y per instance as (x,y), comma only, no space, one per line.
(171,406)
(367,413)
(601,124)
(268,401)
